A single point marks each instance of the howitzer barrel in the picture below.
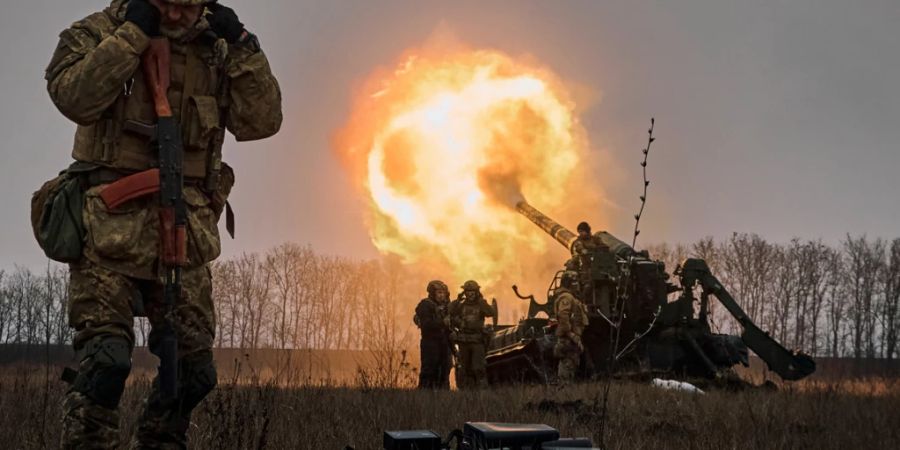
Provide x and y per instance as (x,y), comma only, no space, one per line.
(616,246)
(550,226)
(566,237)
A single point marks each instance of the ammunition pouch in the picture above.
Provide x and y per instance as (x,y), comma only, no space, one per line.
(56,215)
(201,122)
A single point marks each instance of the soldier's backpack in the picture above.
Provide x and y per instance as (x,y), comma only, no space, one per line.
(56,216)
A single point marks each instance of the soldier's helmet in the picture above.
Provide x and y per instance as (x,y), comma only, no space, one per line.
(471,285)
(584,226)
(434,285)
(569,279)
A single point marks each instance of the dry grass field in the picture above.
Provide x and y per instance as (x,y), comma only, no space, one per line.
(247,414)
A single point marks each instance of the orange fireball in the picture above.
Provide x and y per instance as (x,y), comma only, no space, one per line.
(445,145)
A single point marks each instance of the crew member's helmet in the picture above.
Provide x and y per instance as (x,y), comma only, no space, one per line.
(471,285)
(434,285)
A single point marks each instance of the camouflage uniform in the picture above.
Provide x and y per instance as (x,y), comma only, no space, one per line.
(590,254)
(434,346)
(94,79)
(467,318)
(571,316)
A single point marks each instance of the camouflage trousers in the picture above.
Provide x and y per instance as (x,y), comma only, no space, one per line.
(101,306)
(472,368)
(569,354)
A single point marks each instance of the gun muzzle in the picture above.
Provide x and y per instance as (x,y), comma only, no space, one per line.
(550,226)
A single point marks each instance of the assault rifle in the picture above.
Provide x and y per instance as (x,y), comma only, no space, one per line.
(172,213)
(485,436)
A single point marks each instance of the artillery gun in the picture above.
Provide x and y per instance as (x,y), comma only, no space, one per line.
(633,327)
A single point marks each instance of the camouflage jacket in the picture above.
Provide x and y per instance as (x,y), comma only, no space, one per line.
(571,314)
(584,251)
(94,79)
(467,317)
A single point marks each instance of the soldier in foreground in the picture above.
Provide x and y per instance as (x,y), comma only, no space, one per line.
(571,316)
(434,346)
(467,321)
(219,78)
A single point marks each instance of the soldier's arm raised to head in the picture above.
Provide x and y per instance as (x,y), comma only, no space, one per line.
(255,97)
(91,65)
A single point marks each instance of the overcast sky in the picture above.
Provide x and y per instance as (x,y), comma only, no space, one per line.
(775,117)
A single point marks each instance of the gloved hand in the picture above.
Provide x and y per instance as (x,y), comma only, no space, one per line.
(224,22)
(144,15)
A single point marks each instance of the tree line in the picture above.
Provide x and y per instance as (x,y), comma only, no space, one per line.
(841,301)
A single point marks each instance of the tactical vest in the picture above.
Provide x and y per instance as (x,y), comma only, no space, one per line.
(472,317)
(578,315)
(198,99)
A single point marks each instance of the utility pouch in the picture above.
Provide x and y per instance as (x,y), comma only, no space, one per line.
(56,216)
(202,122)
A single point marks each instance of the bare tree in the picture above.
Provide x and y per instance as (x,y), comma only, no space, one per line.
(24,290)
(226,302)
(811,273)
(287,264)
(5,307)
(890,313)
(817,262)
(707,250)
(746,266)
(837,305)
(254,284)
(864,262)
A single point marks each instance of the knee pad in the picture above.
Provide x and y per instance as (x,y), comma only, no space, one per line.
(198,378)
(104,368)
